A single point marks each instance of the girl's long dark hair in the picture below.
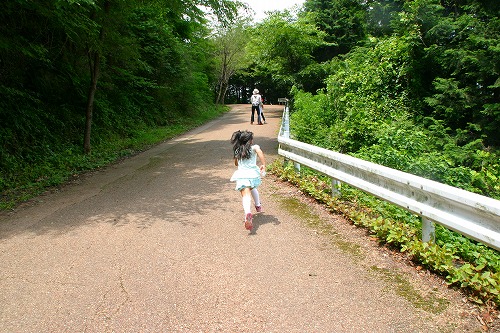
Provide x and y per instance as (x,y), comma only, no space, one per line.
(242,142)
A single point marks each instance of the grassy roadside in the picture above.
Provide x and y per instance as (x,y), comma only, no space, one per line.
(463,263)
(32,179)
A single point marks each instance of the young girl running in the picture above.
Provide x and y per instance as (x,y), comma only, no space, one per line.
(248,175)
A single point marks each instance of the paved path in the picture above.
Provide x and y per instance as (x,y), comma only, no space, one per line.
(157,244)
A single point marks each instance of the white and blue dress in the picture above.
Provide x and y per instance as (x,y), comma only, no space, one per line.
(248,173)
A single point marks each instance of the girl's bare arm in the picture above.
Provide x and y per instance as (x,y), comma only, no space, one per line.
(262,159)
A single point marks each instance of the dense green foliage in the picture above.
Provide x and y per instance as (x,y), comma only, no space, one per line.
(97,70)
(230,43)
(412,85)
(422,97)
(279,54)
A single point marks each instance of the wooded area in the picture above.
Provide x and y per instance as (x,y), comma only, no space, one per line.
(81,78)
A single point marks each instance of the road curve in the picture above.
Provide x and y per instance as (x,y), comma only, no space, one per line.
(156,243)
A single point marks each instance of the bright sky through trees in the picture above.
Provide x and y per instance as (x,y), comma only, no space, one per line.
(262,6)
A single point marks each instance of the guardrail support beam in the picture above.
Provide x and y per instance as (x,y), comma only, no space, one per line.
(428,231)
(335,187)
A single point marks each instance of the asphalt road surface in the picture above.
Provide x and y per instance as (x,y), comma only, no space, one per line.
(156,243)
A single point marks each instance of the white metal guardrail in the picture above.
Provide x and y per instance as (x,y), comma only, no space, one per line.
(467,213)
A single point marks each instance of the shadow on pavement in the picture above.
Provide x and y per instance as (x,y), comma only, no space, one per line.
(262,219)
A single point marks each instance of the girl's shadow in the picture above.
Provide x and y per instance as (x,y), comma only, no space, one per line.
(261,219)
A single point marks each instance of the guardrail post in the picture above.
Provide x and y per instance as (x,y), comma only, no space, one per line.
(297,167)
(286,127)
(286,123)
(428,231)
(335,187)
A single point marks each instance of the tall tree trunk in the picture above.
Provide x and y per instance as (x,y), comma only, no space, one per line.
(94,66)
(94,75)
(219,91)
(223,100)
(223,78)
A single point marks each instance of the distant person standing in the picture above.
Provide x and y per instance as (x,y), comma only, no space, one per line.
(261,109)
(256,100)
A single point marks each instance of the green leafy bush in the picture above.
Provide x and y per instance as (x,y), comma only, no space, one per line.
(366,111)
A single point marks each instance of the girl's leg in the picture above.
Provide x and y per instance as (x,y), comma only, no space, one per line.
(246,199)
(256,197)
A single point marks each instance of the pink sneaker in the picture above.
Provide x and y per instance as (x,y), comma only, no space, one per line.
(248,221)
(258,209)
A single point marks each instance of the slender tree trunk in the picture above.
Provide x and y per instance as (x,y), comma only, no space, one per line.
(219,91)
(220,86)
(224,90)
(94,66)
(223,79)
(94,75)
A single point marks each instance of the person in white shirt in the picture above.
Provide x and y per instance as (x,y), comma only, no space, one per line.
(256,101)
